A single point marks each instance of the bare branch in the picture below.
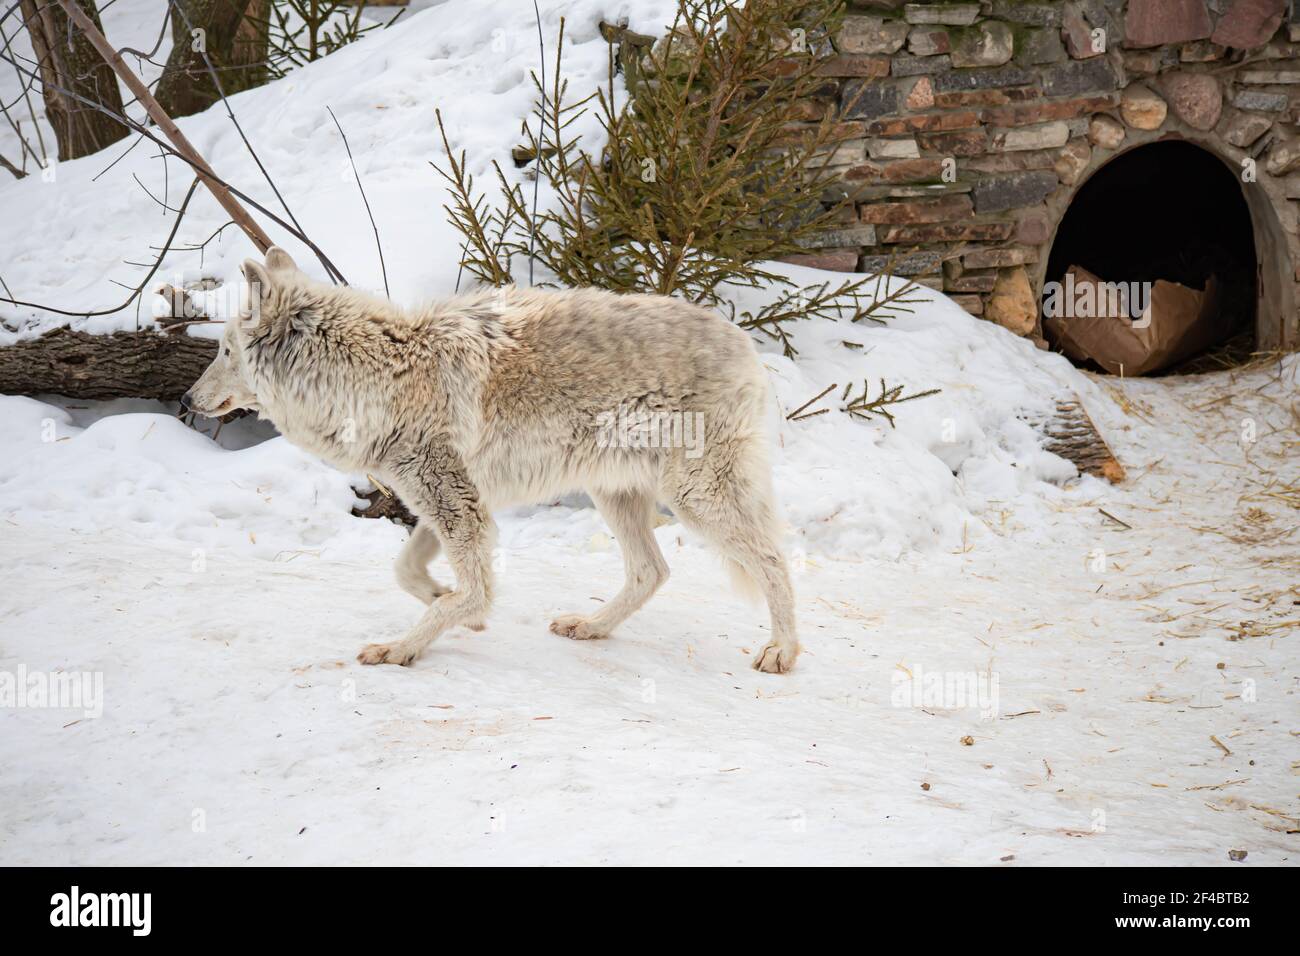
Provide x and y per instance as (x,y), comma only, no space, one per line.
(164,122)
(202,171)
(207,62)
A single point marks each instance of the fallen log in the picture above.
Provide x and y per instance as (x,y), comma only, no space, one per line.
(1070,433)
(144,364)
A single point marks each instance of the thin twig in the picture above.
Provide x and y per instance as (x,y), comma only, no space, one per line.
(166,247)
(1124,524)
(180,141)
(378,245)
(200,170)
(537,179)
(231,113)
(794,416)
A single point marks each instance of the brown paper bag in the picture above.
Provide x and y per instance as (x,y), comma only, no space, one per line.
(1177,323)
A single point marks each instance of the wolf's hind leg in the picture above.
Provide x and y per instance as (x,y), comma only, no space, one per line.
(449,501)
(412,566)
(738,517)
(630,515)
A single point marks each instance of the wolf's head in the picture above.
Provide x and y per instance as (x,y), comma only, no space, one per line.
(267,299)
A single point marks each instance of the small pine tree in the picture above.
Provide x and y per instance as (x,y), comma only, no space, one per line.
(303,31)
(706,171)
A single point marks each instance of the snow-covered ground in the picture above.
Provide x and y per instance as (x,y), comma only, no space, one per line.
(1135,688)
(1132,687)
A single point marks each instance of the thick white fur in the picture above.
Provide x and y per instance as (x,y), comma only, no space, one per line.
(498,398)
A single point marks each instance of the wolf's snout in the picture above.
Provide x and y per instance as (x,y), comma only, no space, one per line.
(186,403)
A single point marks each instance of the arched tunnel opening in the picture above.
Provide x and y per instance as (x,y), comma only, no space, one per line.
(1162,236)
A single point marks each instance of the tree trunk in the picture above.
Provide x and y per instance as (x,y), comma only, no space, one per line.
(250,51)
(124,364)
(1071,434)
(66,58)
(234,35)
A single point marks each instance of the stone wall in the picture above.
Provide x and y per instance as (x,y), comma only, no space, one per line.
(973,123)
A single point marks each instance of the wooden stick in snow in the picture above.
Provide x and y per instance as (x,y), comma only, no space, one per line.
(220,193)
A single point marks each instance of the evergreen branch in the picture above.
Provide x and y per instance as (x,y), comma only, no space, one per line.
(862,406)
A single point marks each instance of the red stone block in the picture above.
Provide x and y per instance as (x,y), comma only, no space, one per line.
(973,304)
(913,171)
(1045,111)
(837,260)
(961,98)
(921,210)
(924,122)
(947,232)
(1249,23)
(855,64)
(965,143)
(1155,22)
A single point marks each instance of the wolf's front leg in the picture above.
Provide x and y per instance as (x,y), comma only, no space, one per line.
(412,566)
(450,503)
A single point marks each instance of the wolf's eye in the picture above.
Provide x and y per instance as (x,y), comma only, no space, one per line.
(227,351)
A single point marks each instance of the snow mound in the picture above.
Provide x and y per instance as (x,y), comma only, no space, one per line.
(150,474)
(865,487)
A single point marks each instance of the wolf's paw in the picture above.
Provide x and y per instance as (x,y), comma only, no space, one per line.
(398,652)
(776,658)
(420,585)
(577,628)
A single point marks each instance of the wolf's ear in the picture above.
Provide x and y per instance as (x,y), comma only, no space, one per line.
(277,260)
(255,274)
(257,286)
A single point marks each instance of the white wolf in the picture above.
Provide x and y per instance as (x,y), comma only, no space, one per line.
(506,397)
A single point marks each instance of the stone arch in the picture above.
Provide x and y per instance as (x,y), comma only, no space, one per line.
(1275,246)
